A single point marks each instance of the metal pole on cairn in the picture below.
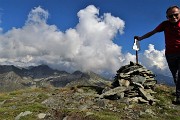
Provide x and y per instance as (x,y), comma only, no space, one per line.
(136,47)
(136,57)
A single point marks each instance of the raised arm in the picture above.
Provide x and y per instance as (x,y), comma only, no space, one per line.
(145,35)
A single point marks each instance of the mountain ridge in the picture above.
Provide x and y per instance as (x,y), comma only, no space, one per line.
(43,76)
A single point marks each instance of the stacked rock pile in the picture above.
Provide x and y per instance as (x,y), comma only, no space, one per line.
(134,82)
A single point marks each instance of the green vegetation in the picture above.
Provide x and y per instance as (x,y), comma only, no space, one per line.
(13,103)
(17,101)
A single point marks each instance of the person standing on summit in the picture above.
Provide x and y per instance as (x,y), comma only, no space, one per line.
(171,29)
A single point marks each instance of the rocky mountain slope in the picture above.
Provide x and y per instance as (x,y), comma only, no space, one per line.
(40,92)
(14,78)
(83,103)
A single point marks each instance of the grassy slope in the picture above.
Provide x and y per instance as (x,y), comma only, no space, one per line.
(13,103)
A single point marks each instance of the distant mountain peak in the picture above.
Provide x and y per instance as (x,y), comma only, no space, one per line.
(43,75)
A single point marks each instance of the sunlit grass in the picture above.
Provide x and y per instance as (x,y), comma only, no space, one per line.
(15,102)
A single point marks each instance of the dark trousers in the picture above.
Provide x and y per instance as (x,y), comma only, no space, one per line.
(173,61)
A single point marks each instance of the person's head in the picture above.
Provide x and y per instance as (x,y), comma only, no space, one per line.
(173,14)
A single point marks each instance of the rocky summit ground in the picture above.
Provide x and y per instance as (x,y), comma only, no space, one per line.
(84,103)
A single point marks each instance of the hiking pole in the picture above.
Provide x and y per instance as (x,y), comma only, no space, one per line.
(136,47)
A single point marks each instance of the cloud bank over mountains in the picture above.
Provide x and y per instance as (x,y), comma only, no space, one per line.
(87,47)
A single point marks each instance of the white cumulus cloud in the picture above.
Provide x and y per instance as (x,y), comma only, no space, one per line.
(155,60)
(87,47)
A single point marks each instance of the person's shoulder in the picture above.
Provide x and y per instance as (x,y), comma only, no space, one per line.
(162,26)
(165,22)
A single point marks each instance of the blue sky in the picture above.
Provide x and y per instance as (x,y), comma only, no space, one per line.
(140,16)
(61,17)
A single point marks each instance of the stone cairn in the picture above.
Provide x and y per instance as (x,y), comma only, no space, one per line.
(134,82)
